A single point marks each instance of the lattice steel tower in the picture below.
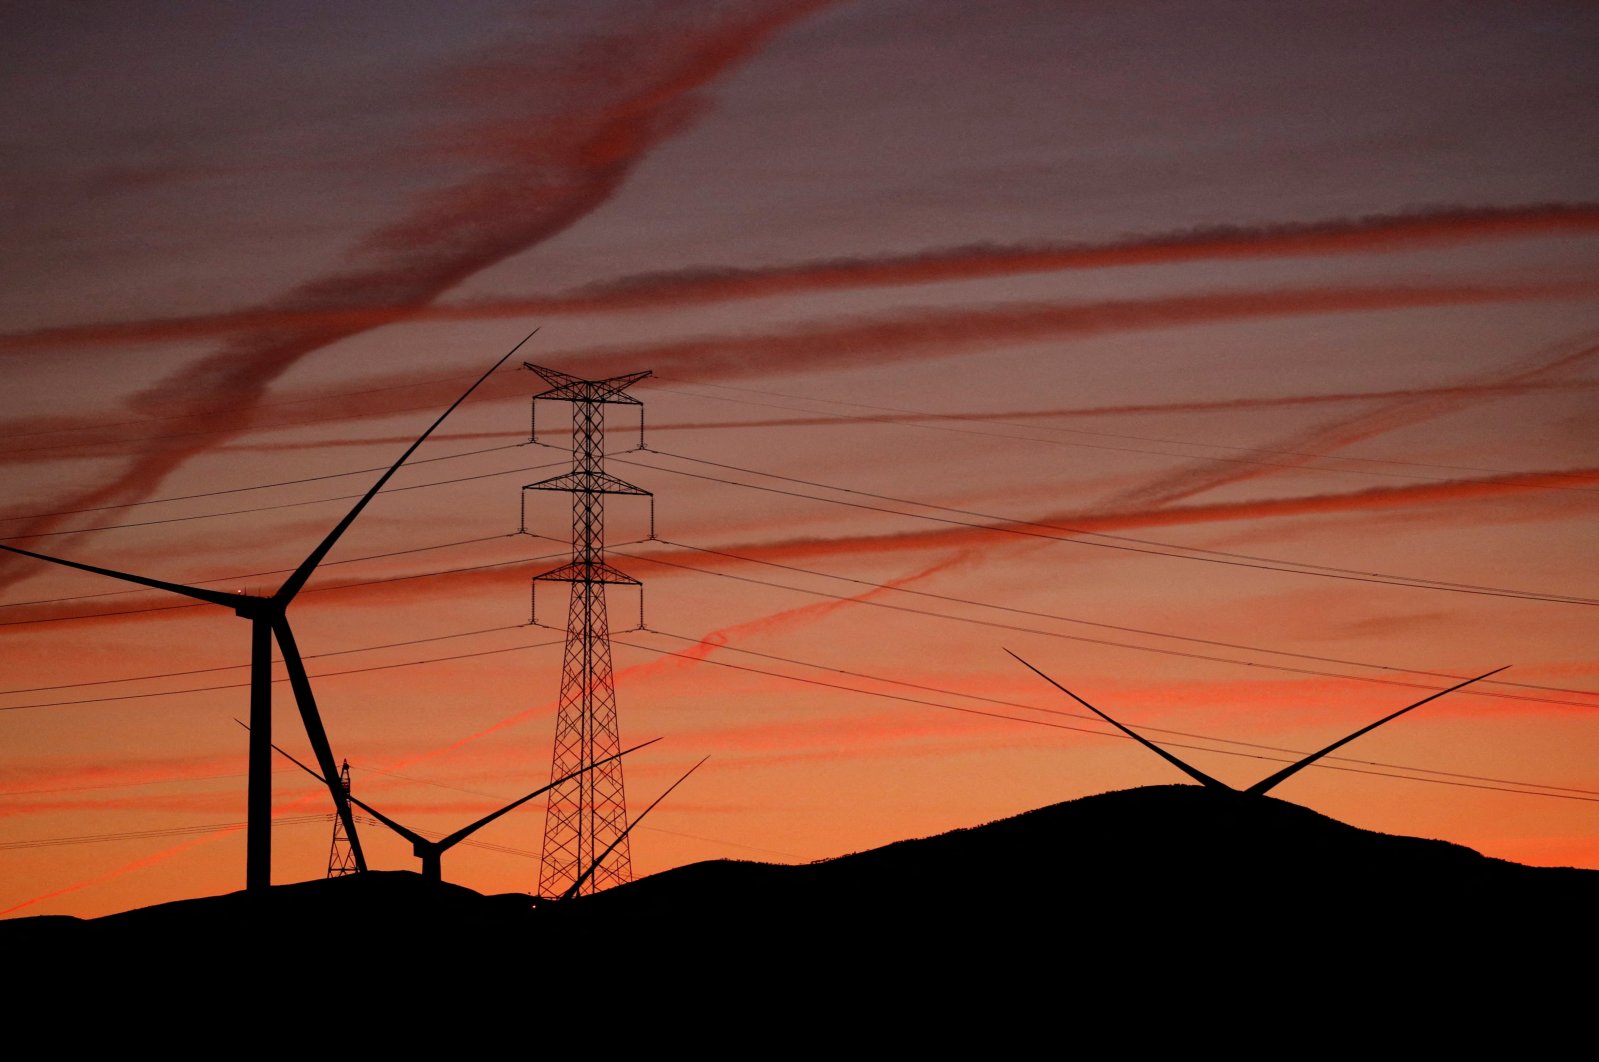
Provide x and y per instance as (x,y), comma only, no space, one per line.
(341,860)
(588,813)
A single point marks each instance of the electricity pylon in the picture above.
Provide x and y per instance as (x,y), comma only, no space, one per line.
(341,860)
(585,823)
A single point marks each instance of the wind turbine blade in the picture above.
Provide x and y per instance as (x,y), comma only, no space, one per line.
(410,835)
(578,884)
(306,702)
(216,597)
(368,808)
(466,831)
(281,751)
(1193,772)
(293,584)
(1266,785)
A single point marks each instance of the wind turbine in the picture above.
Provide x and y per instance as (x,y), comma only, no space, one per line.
(1265,785)
(268,616)
(577,885)
(432,852)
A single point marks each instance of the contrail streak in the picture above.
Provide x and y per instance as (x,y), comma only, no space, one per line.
(615,101)
(962,533)
(922,335)
(1400,411)
(1372,234)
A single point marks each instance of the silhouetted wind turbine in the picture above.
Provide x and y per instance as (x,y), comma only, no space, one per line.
(1265,785)
(432,852)
(268,619)
(578,884)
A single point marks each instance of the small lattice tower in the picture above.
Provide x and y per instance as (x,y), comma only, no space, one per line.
(341,860)
(588,814)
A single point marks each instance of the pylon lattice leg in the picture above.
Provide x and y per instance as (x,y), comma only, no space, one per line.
(588,813)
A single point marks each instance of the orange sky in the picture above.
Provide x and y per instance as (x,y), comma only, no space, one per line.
(1236,368)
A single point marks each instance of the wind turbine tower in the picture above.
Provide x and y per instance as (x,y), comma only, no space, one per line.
(586,819)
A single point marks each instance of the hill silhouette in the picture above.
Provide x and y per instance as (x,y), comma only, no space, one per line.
(1220,885)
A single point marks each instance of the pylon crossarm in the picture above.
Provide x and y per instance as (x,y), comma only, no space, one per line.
(557,379)
(295,581)
(591,482)
(587,572)
(1265,785)
(611,390)
(567,388)
(199,593)
(577,885)
(1193,772)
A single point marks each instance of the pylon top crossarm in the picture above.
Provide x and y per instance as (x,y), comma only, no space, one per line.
(592,482)
(567,388)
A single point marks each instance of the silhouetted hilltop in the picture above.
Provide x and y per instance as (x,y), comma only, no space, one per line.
(1135,868)
(1121,882)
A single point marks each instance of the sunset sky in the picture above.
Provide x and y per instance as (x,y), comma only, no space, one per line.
(1234,363)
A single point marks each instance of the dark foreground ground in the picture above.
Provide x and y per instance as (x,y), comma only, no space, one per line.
(1114,908)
